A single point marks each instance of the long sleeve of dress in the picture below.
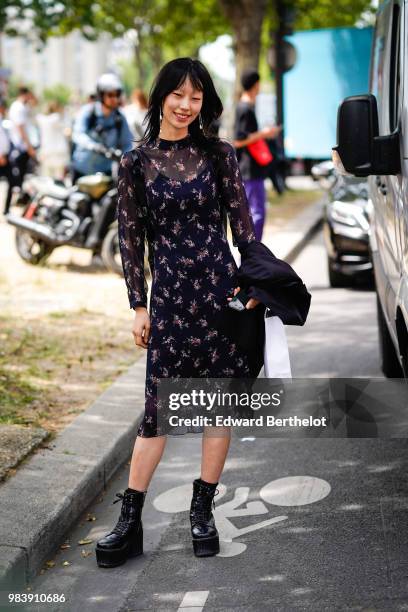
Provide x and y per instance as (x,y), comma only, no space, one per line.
(266,278)
(234,198)
(131,232)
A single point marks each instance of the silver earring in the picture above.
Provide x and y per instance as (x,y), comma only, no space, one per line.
(200,121)
(161,116)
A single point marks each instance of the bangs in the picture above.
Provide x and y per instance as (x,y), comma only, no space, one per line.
(195,80)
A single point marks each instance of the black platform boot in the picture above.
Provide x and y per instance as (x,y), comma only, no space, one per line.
(203,530)
(126,538)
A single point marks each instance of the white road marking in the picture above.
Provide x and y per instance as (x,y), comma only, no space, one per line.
(227,530)
(194,601)
(288,491)
(295,491)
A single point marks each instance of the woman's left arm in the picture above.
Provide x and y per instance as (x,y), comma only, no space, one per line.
(235,201)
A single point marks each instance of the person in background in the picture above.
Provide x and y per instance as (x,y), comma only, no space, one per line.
(54,149)
(98,126)
(246,132)
(19,116)
(5,166)
(135,112)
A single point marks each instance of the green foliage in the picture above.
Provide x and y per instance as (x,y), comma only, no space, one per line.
(183,25)
(7,8)
(164,29)
(59,93)
(128,75)
(325,14)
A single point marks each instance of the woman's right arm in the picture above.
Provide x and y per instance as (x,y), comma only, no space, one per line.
(132,234)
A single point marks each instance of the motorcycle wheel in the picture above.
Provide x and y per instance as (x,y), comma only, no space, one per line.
(31,249)
(110,252)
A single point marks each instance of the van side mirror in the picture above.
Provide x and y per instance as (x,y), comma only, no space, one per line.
(360,150)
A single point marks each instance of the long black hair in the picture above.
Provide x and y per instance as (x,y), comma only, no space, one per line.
(171,76)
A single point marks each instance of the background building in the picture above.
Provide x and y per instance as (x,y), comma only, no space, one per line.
(71,60)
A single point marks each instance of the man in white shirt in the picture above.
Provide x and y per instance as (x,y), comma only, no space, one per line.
(19,118)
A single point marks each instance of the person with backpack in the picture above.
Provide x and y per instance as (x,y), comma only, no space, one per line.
(100,125)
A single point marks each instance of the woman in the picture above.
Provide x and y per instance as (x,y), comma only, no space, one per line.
(189,178)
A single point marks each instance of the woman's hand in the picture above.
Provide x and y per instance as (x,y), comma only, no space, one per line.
(252,302)
(141,327)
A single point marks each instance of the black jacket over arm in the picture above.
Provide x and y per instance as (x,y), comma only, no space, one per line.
(276,285)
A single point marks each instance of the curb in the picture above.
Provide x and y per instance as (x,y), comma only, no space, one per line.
(288,242)
(48,494)
(314,223)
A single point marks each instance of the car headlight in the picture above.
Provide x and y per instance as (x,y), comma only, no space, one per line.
(348,214)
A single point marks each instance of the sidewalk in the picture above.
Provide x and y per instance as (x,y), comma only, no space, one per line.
(57,484)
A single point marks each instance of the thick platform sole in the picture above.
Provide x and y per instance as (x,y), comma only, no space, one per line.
(206,547)
(118,556)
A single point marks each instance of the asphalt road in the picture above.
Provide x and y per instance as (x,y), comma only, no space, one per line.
(315,525)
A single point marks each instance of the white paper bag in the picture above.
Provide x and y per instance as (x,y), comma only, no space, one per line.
(276,353)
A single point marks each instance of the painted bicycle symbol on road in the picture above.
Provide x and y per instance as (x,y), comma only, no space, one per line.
(289,491)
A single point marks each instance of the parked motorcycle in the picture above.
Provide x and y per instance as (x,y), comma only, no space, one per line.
(82,215)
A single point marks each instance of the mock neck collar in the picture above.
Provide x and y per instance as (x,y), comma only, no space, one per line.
(163,143)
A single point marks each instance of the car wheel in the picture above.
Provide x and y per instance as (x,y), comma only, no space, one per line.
(337,279)
(390,364)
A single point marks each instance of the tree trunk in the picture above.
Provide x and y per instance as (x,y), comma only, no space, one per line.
(157,58)
(246,18)
(140,67)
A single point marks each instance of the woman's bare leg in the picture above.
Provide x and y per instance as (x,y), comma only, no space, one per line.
(215,445)
(146,456)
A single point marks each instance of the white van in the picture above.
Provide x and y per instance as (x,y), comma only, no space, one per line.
(372,137)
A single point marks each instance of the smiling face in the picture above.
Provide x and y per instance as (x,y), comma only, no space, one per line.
(180,108)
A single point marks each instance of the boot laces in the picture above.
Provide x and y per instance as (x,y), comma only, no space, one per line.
(120,496)
(201,511)
(123,523)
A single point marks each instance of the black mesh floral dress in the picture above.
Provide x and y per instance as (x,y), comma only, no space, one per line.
(193,270)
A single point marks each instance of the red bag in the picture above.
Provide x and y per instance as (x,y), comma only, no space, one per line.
(260,152)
